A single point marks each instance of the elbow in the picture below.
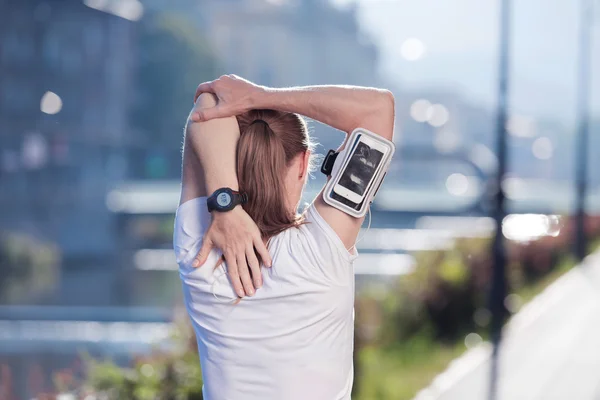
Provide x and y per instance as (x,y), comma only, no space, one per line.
(388,98)
(205,100)
(379,117)
(388,104)
(387,114)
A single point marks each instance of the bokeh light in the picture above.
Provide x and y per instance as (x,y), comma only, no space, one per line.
(420,110)
(482,317)
(542,148)
(412,49)
(131,10)
(446,140)
(51,103)
(521,126)
(513,302)
(128,9)
(472,340)
(35,151)
(457,184)
(527,227)
(438,115)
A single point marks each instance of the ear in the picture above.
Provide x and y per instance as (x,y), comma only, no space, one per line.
(304,164)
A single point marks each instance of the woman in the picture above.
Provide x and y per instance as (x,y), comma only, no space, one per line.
(291,335)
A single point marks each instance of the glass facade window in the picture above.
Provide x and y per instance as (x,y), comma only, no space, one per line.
(71,61)
(51,49)
(93,38)
(18,95)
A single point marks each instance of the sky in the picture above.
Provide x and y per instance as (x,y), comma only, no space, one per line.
(460,39)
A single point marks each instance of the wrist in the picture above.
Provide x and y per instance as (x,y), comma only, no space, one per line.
(262,97)
(225,200)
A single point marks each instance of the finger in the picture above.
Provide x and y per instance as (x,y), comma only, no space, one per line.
(244,272)
(232,270)
(262,250)
(221,110)
(203,88)
(203,253)
(206,114)
(254,266)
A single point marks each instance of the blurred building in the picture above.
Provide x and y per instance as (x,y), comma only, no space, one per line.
(284,42)
(65,73)
(291,42)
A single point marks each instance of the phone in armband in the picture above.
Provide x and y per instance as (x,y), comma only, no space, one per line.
(357,171)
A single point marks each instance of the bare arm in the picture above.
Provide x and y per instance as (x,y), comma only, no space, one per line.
(208,164)
(209,153)
(342,107)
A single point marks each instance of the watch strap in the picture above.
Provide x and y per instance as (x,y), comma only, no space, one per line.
(239,197)
(236,199)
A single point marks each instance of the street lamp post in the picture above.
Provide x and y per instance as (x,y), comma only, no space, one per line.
(499,286)
(583,104)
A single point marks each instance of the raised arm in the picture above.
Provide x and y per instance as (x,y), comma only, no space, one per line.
(208,153)
(208,164)
(342,107)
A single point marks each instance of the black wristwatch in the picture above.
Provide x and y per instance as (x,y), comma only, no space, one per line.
(225,199)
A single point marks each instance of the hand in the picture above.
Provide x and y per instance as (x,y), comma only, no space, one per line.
(235,96)
(237,236)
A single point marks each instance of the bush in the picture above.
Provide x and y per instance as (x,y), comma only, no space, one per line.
(163,375)
(171,372)
(448,287)
(167,374)
(29,269)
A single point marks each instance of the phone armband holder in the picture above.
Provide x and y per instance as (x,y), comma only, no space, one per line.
(335,163)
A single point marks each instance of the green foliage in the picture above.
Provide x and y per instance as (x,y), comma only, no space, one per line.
(453,270)
(165,377)
(164,374)
(28,268)
(399,372)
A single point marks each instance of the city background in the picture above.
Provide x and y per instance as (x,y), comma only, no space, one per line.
(93,100)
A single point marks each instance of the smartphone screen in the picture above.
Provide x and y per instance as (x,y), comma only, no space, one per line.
(343,200)
(361,169)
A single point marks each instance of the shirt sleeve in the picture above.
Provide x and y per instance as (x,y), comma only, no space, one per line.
(330,243)
(192,220)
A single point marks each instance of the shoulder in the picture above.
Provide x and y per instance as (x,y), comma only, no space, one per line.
(326,240)
(312,251)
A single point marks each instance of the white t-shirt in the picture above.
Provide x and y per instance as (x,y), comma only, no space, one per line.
(293,340)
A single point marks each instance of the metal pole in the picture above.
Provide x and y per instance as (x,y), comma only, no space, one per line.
(498,288)
(583,104)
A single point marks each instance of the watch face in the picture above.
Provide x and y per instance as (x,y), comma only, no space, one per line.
(223,199)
